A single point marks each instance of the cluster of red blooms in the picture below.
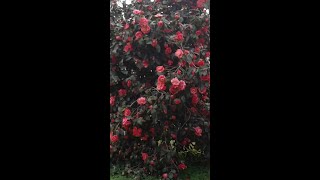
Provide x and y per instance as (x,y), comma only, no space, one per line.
(177,85)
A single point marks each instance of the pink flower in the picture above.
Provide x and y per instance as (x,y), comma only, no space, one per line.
(125,122)
(175,81)
(160,23)
(200,63)
(198,33)
(195,99)
(168,50)
(182,85)
(112,100)
(143,22)
(126,26)
(198,131)
(179,36)
(161,87)
(128,47)
(165,176)
(141,101)
(179,53)
(145,29)
(129,83)
(144,156)
(161,79)
(114,138)
(139,35)
(136,132)
(139,1)
(122,92)
(127,112)
(145,63)
(170,62)
(154,43)
(182,166)
(136,11)
(177,101)
(207,54)
(118,38)
(158,16)
(160,69)
(193,90)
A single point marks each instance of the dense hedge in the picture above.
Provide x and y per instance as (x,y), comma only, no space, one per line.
(160,81)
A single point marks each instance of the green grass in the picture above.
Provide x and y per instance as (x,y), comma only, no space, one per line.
(196,172)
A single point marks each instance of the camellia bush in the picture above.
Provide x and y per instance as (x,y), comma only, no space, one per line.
(159,86)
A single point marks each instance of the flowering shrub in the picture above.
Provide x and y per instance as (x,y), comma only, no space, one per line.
(159,84)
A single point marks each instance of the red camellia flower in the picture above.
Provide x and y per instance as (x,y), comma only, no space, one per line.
(128,47)
(160,23)
(195,99)
(170,62)
(200,63)
(136,132)
(168,50)
(160,69)
(136,11)
(177,16)
(126,26)
(197,50)
(182,166)
(149,8)
(182,85)
(198,33)
(165,176)
(114,138)
(138,35)
(158,16)
(139,1)
(175,81)
(161,79)
(145,63)
(118,38)
(207,54)
(161,87)
(179,72)
(179,53)
(198,131)
(145,29)
(143,22)
(122,92)
(129,83)
(179,36)
(144,138)
(144,156)
(127,112)
(141,101)
(125,122)
(177,101)
(112,100)
(154,43)
(193,90)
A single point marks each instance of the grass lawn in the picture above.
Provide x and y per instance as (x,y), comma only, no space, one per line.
(195,173)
